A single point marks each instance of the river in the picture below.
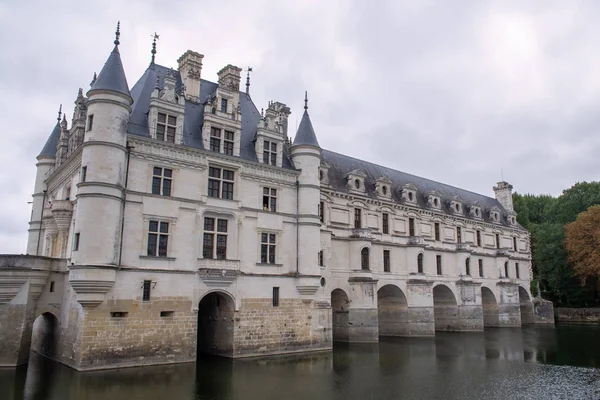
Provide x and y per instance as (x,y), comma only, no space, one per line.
(534,362)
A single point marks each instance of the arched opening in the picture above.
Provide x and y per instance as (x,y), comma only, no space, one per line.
(339,308)
(420,263)
(44,335)
(445,309)
(392,310)
(490,308)
(364,258)
(526,307)
(215,324)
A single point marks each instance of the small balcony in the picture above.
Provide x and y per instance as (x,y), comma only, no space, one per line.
(62,205)
(362,233)
(416,241)
(503,253)
(465,247)
(218,273)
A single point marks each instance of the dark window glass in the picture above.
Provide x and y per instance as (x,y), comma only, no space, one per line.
(437,231)
(171,134)
(364,258)
(517,271)
(221,247)
(172,120)
(146,291)
(158,238)
(214,172)
(357,221)
(207,245)
(506,269)
(83,173)
(321,258)
(458,235)
(90,122)
(224,105)
(497,241)
(222,225)
(269,199)
(267,248)
(479,238)
(322,212)
(480,267)
(275,297)
(215,145)
(51,286)
(411,227)
(76,242)
(468,266)
(514,244)
(228,190)
(213,188)
(386,223)
(161,181)
(386,261)
(228,148)
(438,261)
(420,263)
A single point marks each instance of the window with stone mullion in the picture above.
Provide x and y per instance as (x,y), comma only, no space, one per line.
(215,139)
(267,248)
(228,143)
(161,181)
(158,238)
(210,246)
(270,153)
(166,124)
(220,183)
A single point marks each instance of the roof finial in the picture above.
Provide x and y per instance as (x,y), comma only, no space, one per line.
(157,82)
(248,80)
(93,79)
(305,100)
(155,37)
(117,33)
(59,112)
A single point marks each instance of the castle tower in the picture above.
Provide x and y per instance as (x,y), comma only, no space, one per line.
(46,160)
(102,183)
(503,192)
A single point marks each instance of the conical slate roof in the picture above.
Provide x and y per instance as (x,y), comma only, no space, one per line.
(112,76)
(306,134)
(49,149)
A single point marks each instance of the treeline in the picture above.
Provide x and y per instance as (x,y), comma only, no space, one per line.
(546,217)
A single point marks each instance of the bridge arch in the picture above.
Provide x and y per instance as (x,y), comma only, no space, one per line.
(45,335)
(215,324)
(526,306)
(339,308)
(491,316)
(392,311)
(445,309)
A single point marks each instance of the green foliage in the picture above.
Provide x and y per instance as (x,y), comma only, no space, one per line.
(533,287)
(575,200)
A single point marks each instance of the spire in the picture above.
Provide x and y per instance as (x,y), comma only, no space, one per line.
(248,80)
(59,112)
(155,37)
(112,75)
(306,134)
(93,79)
(49,149)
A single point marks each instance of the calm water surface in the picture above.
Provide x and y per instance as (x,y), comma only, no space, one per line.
(528,363)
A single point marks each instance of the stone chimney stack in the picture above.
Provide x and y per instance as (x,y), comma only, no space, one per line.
(190,68)
(503,192)
(229,78)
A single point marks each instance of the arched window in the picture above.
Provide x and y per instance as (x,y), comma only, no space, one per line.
(420,263)
(468,266)
(506,269)
(364,258)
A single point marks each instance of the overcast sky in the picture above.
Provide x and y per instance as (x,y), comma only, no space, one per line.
(452,91)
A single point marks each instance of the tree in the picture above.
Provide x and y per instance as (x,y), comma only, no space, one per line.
(582,242)
(576,199)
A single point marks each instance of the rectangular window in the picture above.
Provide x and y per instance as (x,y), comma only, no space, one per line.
(481,267)
(158,238)
(514,244)
(224,105)
(468,266)
(385,223)
(436,228)
(322,212)
(51,286)
(119,314)
(458,235)
(517,271)
(269,199)
(76,242)
(321,258)
(83,173)
(228,143)
(215,139)
(411,227)
(90,122)
(357,222)
(166,126)
(161,181)
(275,297)
(438,262)
(267,248)
(220,183)
(506,269)
(386,261)
(146,291)
(215,238)
(478,238)
(497,241)
(270,153)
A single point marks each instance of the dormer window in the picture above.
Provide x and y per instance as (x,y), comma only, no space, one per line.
(357,184)
(215,139)
(228,143)
(384,190)
(409,193)
(321,175)
(495,214)
(165,127)
(356,180)
(382,186)
(433,199)
(223,105)
(456,205)
(270,153)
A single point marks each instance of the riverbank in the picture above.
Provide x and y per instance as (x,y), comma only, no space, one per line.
(578,315)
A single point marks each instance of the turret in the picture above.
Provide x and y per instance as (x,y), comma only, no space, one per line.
(102,183)
(306,155)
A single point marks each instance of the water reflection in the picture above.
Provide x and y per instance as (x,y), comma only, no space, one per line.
(534,362)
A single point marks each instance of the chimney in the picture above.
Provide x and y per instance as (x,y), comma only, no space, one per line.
(229,78)
(190,67)
(503,192)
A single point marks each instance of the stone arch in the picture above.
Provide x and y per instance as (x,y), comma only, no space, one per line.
(215,324)
(526,306)
(445,309)
(45,335)
(491,316)
(392,310)
(339,308)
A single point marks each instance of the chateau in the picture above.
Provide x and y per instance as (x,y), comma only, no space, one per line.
(175,217)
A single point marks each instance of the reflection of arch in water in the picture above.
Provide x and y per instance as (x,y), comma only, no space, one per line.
(526,306)
(45,335)
(445,309)
(339,309)
(491,315)
(392,310)
(215,324)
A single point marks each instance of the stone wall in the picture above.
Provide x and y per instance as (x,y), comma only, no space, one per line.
(578,315)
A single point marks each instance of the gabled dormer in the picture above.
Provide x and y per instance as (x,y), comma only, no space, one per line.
(494,214)
(324,173)
(511,218)
(271,134)
(383,187)
(409,193)
(475,210)
(355,181)
(456,205)
(434,200)
(222,125)
(167,109)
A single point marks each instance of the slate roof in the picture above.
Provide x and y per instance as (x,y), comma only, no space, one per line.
(112,76)
(194,113)
(306,134)
(340,165)
(49,149)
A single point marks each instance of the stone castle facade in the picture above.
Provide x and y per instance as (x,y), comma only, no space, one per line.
(175,217)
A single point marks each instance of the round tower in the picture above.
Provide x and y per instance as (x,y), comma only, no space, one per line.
(101,188)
